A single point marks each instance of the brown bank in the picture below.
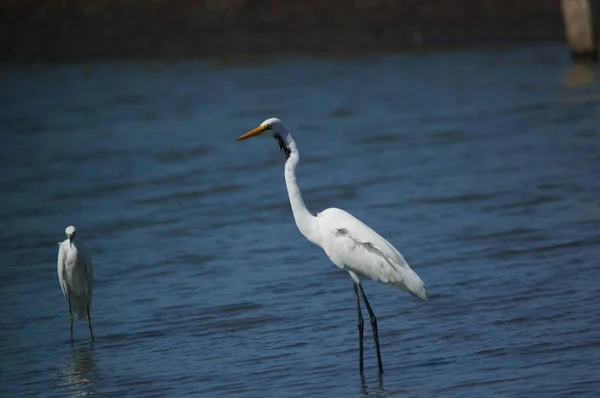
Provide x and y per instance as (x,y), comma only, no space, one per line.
(63,30)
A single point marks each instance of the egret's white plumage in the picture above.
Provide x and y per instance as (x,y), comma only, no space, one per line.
(76,277)
(356,248)
(350,244)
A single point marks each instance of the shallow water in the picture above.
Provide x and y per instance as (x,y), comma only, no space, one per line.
(481,167)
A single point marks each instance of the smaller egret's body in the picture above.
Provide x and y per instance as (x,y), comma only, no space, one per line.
(349,243)
(76,277)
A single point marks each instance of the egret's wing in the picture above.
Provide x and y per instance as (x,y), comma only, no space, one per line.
(89,269)
(62,256)
(364,252)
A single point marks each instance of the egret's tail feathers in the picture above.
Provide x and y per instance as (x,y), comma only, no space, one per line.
(78,307)
(414,285)
(80,314)
(422,293)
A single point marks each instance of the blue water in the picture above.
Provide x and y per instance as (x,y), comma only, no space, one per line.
(481,167)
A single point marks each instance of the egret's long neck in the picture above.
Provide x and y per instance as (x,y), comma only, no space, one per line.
(306,222)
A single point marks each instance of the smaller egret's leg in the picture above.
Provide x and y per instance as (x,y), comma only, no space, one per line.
(70,317)
(89,322)
(361,323)
(374,326)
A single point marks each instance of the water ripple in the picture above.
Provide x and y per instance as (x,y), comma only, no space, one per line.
(481,167)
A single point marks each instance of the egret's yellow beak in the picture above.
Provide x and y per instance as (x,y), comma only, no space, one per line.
(253,133)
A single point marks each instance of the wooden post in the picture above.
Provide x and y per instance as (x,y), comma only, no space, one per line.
(579,29)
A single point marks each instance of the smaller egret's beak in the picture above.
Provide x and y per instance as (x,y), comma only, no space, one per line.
(253,133)
(70,240)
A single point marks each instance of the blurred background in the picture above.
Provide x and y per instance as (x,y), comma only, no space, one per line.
(88,29)
(467,133)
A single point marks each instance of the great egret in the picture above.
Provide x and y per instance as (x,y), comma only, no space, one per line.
(349,244)
(76,277)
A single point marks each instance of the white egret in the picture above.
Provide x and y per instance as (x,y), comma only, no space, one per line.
(76,277)
(349,244)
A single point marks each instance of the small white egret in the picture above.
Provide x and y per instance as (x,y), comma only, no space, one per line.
(76,277)
(349,244)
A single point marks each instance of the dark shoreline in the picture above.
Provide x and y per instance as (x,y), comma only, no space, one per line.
(70,30)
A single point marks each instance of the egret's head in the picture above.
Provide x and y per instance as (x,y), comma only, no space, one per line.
(70,232)
(275,128)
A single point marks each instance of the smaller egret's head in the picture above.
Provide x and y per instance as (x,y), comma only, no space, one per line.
(275,128)
(70,232)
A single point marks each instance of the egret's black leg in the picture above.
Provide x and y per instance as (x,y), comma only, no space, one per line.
(360,329)
(89,322)
(70,317)
(374,326)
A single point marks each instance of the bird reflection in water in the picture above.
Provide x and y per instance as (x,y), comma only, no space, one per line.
(579,75)
(80,372)
(372,390)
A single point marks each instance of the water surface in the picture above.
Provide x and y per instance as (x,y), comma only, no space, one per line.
(481,167)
